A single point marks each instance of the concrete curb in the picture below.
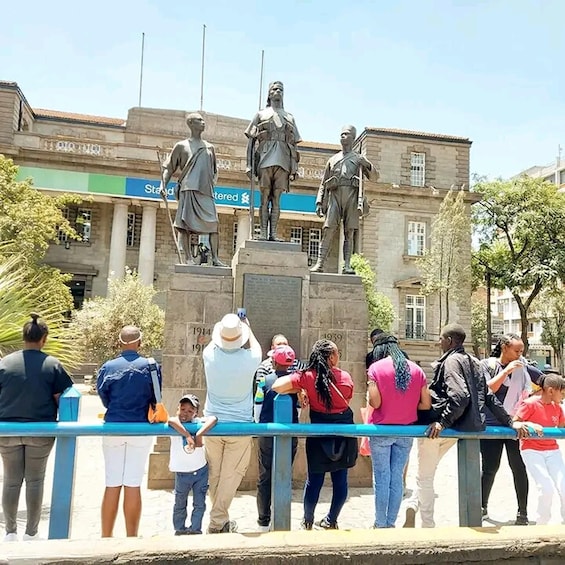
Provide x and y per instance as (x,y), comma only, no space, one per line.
(537,545)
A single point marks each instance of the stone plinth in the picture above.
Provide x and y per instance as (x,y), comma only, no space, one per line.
(272,281)
(197,298)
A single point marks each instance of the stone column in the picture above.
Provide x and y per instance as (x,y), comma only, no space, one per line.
(146,265)
(243,227)
(117,260)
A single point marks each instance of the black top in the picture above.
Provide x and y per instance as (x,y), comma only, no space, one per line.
(28,380)
(268,408)
(460,394)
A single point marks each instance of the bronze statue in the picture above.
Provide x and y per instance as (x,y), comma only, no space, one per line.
(196,212)
(340,198)
(272,157)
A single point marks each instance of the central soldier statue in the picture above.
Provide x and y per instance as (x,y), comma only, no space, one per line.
(272,157)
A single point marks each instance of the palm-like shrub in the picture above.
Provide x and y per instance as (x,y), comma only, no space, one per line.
(22,292)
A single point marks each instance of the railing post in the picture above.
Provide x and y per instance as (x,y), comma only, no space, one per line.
(469,472)
(281,473)
(64,471)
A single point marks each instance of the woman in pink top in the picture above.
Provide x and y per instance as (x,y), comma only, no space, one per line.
(397,389)
(542,457)
(329,392)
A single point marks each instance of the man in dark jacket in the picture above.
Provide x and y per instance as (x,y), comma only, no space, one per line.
(459,395)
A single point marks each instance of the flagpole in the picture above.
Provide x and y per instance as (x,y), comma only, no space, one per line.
(202,67)
(141,67)
(252,195)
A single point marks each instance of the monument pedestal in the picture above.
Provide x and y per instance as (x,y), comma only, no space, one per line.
(272,282)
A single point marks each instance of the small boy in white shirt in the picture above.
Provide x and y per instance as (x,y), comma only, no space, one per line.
(187,461)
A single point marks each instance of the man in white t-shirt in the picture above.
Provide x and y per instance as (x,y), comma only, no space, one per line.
(187,461)
(229,367)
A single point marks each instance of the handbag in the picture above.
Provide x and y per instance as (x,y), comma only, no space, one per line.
(157,413)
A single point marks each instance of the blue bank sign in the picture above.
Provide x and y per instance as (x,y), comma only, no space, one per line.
(223,196)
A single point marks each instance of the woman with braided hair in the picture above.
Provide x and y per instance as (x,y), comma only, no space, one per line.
(329,391)
(397,390)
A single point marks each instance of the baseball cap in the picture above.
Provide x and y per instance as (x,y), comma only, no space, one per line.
(284,355)
(193,399)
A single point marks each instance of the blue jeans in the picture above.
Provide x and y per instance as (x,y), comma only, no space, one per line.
(312,488)
(389,457)
(184,483)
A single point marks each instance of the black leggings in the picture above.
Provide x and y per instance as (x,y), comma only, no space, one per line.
(491,452)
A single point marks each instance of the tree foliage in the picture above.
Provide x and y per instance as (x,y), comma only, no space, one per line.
(549,307)
(29,222)
(479,326)
(521,228)
(129,302)
(381,310)
(445,265)
(29,219)
(21,294)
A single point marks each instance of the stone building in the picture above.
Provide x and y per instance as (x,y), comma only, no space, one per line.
(123,221)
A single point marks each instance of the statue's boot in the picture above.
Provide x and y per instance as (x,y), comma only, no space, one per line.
(264,219)
(322,255)
(275,214)
(347,270)
(214,243)
(184,247)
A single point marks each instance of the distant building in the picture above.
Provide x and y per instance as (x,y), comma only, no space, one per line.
(113,162)
(554,172)
(506,319)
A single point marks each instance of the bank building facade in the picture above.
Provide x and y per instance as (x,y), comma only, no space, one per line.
(123,222)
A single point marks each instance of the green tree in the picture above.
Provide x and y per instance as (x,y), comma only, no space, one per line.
(129,302)
(549,307)
(445,266)
(381,311)
(478,326)
(520,224)
(29,223)
(21,294)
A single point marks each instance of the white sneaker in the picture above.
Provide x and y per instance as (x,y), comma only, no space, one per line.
(11,537)
(263,529)
(27,537)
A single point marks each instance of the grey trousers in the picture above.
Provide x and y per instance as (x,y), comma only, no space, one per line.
(24,458)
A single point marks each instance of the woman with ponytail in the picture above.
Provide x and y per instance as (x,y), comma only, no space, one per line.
(397,390)
(31,383)
(329,391)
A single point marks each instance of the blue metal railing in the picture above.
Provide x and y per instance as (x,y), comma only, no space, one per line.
(68,429)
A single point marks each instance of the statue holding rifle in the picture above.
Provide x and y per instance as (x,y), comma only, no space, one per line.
(341,199)
(196,212)
(272,157)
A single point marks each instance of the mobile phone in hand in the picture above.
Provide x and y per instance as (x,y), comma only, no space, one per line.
(242,313)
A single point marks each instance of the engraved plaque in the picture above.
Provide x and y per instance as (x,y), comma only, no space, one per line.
(274,306)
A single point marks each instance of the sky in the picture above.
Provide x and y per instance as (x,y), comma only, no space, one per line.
(489,70)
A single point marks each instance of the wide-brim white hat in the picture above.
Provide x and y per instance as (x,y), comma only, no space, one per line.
(230,332)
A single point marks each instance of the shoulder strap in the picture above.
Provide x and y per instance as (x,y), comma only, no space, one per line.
(190,164)
(154,378)
(338,391)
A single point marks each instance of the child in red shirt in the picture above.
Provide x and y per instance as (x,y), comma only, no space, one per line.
(542,457)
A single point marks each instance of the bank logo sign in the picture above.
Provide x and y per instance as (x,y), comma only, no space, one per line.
(113,185)
(223,196)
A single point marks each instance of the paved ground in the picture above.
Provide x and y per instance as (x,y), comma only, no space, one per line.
(157,504)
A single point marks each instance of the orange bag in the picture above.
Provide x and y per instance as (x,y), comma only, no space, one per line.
(157,412)
(364,447)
